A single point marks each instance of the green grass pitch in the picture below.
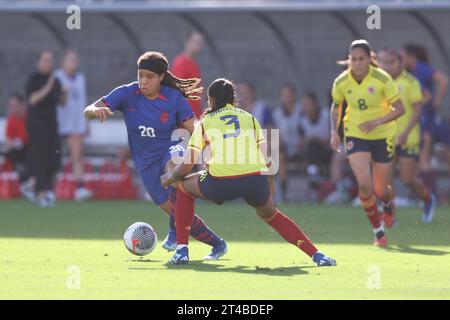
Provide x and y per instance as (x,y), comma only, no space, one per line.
(75,251)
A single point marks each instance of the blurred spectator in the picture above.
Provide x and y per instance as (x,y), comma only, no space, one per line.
(43,92)
(17,142)
(248,101)
(72,125)
(287,119)
(185,64)
(315,131)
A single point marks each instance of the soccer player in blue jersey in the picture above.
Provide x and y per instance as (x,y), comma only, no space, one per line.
(153,107)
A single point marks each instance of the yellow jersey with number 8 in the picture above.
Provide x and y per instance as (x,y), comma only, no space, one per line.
(369,100)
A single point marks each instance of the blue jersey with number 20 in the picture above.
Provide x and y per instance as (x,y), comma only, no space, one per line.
(149,123)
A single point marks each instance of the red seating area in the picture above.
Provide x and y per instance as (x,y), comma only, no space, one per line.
(109,181)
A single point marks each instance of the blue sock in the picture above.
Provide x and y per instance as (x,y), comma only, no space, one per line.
(201,232)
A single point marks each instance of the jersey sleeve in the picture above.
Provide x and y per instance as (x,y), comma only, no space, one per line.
(259,135)
(391,90)
(337,94)
(116,98)
(184,110)
(197,141)
(415,93)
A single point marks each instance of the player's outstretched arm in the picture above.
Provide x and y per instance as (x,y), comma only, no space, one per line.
(98,110)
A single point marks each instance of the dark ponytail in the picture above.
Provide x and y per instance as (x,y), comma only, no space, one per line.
(222,90)
(158,63)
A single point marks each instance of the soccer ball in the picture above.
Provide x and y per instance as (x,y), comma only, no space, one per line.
(140,238)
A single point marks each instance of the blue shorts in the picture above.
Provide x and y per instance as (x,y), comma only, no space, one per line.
(151,175)
(436,127)
(254,189)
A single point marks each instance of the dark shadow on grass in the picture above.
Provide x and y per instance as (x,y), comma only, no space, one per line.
(198,265)
(142,260)
(409,249)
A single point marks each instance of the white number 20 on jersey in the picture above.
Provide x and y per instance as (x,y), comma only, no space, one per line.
(147,131)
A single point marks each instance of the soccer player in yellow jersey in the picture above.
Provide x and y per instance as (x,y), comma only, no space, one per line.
(408,128)
(369,130)
(238,168)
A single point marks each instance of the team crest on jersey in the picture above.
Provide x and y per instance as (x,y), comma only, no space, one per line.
(370,89)
(164,116)
(350,145)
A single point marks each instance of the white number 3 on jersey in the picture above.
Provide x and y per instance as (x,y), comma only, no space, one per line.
(147,131)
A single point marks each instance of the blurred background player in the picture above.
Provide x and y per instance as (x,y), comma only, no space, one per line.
(287,119)
(231,180)
(17,143)
(434,129)
(408,128)
(314,144)
(71,122)
(185,65)
(43,93)
(369,129)
(153,107)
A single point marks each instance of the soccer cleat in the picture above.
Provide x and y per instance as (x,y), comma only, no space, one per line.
(388,216)
(170,242)
(181,256)
(322,260)
(217,251)
(428,209)
(381,242)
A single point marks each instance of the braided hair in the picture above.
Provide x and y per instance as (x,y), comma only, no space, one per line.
(156,62)
(223,92)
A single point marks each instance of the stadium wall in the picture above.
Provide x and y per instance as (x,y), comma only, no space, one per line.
(268,48)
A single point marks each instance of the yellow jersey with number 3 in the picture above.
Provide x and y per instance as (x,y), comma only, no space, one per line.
(371,99)
(410,93)
(234,136)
